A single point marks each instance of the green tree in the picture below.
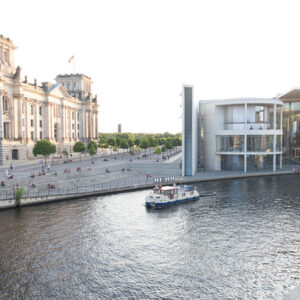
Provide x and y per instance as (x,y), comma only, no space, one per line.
(152,142)
(92,144)
(19,194)
(102,140)
(79,147)
(144,144)
(65,152)
(92,151)
(163,149)
(157,151)
(124,145)
(118,141)
(137,141)
(169,143)
(130,143)
(45,148)
(179,141)
(111,142)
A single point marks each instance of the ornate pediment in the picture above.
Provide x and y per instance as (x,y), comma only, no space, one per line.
(57,90)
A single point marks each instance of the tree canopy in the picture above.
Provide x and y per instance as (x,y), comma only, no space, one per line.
(144,144)
(124,144)
(92,150)
(43,147)
(79,147)
(92,144)
(115,139)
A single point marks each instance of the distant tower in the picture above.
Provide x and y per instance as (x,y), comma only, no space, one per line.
(119,128)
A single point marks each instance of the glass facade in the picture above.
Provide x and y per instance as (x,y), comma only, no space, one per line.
(232,143)
(260,162)
(260,143)
(234,117)
(232,162)
(291,133)
(260,116)
(278,143)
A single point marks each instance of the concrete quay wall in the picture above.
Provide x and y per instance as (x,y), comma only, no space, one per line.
(51,198)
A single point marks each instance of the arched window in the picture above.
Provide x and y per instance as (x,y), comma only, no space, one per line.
(5,104)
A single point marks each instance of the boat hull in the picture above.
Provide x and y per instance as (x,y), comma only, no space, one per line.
(155,204)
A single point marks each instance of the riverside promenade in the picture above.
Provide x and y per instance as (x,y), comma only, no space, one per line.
(103,175)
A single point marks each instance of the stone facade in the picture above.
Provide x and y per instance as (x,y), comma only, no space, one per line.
(63,113)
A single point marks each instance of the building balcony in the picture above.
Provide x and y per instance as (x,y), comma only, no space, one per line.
(247,126)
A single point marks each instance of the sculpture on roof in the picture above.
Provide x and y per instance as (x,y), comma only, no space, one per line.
(18,73)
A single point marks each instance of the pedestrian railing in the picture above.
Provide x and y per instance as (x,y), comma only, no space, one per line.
(105,186)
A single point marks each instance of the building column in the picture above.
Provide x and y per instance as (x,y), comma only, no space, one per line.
(26,137)
(82,122)
(36,121)
(281,118)
(62,118)
(52,123)
(245,138)
(274,117)
(274,139)
(75,124)
(96,116)
(274,155)
(70,124)
(20,118)
(46,121)
(90,125)
(13,121)
(1,114)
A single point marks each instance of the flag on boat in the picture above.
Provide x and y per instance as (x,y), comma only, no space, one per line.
(71,59)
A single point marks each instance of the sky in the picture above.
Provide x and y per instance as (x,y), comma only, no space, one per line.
(139,53)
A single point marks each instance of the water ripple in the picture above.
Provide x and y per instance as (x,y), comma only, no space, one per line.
(242,244)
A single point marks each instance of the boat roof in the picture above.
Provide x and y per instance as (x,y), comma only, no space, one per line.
(167,188)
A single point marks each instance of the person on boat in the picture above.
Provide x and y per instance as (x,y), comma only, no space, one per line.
(2,183)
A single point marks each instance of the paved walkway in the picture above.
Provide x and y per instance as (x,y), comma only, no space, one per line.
(120,167)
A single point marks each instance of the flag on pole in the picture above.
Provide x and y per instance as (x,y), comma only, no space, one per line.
(71,59)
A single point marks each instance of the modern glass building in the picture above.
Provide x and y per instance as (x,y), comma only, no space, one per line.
(291,126)
(239,134)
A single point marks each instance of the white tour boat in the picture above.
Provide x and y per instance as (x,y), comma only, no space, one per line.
(162,196)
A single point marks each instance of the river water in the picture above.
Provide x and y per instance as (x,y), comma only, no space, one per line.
(243,243)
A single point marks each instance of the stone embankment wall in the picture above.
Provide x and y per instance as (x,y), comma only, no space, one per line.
(51,198)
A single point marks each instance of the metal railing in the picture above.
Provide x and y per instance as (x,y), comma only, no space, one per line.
(105,186)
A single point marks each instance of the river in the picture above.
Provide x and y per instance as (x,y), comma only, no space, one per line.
(243,243)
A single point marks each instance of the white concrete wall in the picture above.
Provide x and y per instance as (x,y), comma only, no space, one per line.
(210,136)
(195,136)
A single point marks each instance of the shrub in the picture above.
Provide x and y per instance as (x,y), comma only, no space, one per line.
(19,194)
